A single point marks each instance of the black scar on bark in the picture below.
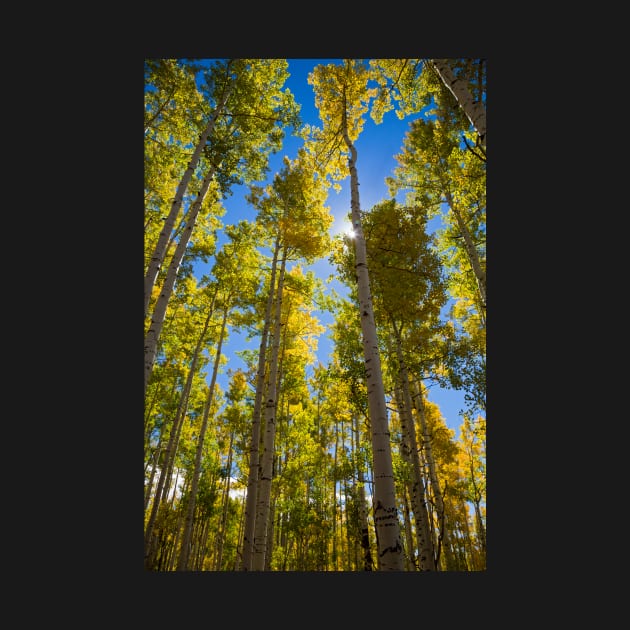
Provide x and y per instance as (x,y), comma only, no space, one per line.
(396,549)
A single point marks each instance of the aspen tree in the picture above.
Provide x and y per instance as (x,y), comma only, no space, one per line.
(185,549)
(342,97)
(237,151)
(292,207)
(259,547)
(238,254)
(419,406)
(224,87)
(426,553)
(171,447)
(254,450)
(474,109)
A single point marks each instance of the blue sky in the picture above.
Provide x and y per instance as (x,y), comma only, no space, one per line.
(376,147)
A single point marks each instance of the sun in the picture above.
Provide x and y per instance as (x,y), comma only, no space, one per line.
(346,229)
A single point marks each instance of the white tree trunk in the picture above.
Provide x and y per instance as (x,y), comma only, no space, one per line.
(166,470)
(182,563)
(159,312)
(474,110)
(266,468)
(424,541)
(368,563)
(410,558)
(390,549)
(224,507)
(469,247)
(254,457)
(435,484)
(157,259)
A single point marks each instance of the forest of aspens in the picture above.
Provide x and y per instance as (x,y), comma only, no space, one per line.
(297,464)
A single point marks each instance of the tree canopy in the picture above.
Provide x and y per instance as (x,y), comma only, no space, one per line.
(275,457)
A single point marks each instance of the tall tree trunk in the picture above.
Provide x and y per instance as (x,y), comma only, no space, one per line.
(196,535)
(254,463)
(266,471)
(481,533)
(368,563)
(182,563)
(270,525)
(344,536)
(354,541)
(334,501)
(157,259)
(390,548)
(170,565)
(417,490)
(443,526)
(238,556)
(469,548)
(474,110)
(285,539)
(469,247)
(154,555)
(411,556)
(159,312)
(224,507)
(171,448)
(203,544)
(426,555)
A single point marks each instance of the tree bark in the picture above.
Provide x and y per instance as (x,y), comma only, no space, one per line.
(224,507)
(390,548)
(157,259)
(266,469)
(159,312)
(469,246)
(182,563)
(426,554)
(254,453)
(155,464)
(334,497)
(435,484)
(474,110)
(410,559)
(171,447)
(481,532)
(368,562)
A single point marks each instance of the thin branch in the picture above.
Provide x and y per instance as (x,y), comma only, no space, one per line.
(480,157)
